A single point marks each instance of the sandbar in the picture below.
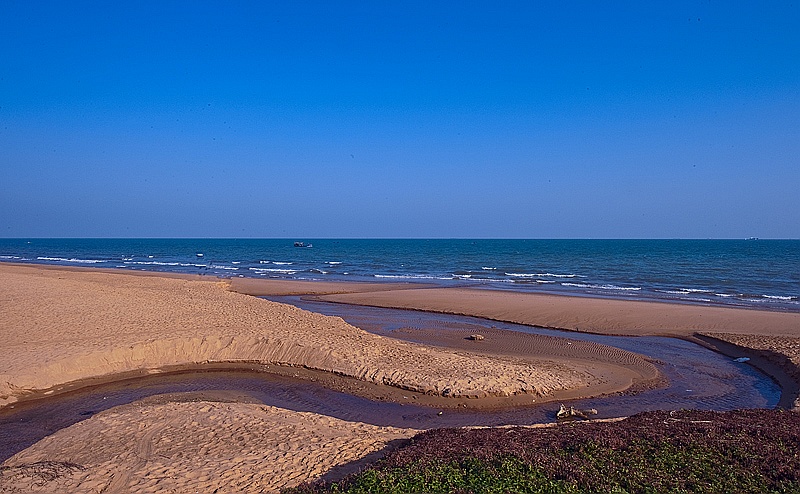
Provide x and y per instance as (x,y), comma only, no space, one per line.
(770,338)
(63,326)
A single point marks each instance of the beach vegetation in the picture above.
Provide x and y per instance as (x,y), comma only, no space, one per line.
(746,451)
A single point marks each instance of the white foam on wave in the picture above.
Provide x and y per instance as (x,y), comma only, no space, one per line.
(779,297)
(10,257)
(229,268)
(334,262)
(688,291)
(408,277)
(541,275)
(161,263)
(158,263)
(279,263)
(274,270)
(603,287)
(477,279)
(489,269)
(63,259)
(319,271)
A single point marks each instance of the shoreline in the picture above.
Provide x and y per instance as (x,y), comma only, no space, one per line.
(183,321)
(775,351)
(257,286)
(147,324)
(518,307)
(785,371)
(613,317)
(672,270)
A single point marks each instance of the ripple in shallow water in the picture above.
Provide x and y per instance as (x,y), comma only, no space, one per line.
(699,378)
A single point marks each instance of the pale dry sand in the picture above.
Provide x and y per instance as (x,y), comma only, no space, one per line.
(772,339)
(192,447)
(67,325)
(607,316)
(61,325)
(64,325)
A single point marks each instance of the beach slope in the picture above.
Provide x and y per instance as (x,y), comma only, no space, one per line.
(66,325)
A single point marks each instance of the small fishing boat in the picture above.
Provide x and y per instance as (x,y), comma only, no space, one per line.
(302,244)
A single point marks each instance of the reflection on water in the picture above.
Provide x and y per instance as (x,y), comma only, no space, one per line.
(30,422)
(699,378)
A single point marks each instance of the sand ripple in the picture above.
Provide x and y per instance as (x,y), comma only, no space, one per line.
(192,447)
(66,325)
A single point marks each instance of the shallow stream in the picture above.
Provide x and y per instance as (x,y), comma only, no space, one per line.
(699,378)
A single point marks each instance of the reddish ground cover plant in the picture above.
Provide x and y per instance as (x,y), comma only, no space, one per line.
(683,451)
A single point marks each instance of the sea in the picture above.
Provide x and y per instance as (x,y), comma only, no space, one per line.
(752,273)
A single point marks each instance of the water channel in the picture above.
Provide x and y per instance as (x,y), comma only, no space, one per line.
(698,378)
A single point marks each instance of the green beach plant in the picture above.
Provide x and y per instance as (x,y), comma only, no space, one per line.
(746,451)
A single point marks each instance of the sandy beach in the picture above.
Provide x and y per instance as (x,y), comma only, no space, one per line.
(593,315)
(63,325)
(197,446)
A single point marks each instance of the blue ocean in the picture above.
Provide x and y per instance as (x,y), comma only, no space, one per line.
(751,273)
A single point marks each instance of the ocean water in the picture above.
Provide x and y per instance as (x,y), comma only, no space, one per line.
(751,273)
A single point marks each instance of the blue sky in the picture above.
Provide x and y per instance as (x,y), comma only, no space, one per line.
(400,119)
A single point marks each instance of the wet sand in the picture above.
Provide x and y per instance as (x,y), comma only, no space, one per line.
(594,315)
(62,325)
(66,325)
(770,339)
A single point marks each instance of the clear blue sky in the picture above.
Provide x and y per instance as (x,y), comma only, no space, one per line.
(400,119)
